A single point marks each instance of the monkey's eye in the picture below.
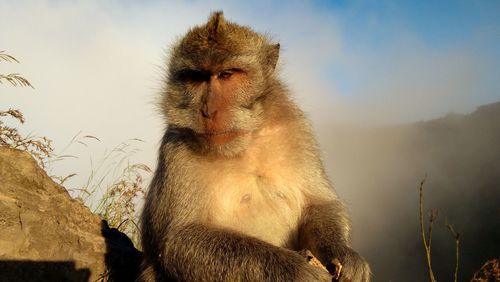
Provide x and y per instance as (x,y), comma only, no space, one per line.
(225,74)
(189,75)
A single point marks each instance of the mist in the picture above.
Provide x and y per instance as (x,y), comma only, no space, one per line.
(374,86)
(378,170)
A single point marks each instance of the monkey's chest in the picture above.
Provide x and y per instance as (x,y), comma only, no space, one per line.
(264,207)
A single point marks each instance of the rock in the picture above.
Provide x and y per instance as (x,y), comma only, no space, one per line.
(45,235)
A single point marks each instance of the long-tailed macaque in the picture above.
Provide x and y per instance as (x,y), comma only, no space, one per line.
(240,186)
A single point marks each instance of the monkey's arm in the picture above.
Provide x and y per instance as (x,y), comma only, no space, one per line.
(199,253)
(325,231)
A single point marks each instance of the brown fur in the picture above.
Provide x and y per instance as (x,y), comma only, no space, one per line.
(239,185)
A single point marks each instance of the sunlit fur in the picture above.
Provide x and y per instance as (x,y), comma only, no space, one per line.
(239,185)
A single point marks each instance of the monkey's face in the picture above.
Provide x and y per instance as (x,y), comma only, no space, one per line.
(216,86)
(219,104)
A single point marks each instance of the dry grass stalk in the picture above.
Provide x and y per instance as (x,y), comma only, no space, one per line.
(61,155)
(7,58)
(427,241)
(39,147)
(118,204)
(457,249)
(13,78)
(113,186)
(16,114)
(62,179)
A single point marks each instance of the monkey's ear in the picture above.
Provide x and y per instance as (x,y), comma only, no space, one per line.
(215,24)
(273,53)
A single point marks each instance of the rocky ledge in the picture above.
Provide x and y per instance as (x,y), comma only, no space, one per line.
(45,235)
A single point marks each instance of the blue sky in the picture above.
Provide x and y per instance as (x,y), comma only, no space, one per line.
(438,23)
(376,26)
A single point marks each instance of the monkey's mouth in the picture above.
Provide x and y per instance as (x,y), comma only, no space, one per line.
(220,137)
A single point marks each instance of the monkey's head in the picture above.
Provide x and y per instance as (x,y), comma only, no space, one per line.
(219,75)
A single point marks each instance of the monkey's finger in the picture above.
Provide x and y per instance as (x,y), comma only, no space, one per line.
(335,268)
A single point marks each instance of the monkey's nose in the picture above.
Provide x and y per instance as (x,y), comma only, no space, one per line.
(207,113)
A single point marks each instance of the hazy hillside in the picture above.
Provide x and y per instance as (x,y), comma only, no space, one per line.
(377,171)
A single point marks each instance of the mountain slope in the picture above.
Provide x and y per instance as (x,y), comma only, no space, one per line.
(378,170)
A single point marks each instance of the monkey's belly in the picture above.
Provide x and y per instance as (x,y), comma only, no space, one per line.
(267,213)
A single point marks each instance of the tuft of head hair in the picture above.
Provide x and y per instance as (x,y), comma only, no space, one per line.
(218,41)
(215,25)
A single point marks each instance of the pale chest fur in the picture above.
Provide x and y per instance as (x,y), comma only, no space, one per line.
(258,194)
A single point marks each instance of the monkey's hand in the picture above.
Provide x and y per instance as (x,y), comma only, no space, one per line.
(314,273)
(349,266)
(312,260)
(334,267)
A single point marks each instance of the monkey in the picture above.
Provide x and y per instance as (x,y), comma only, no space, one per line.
(239,186)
